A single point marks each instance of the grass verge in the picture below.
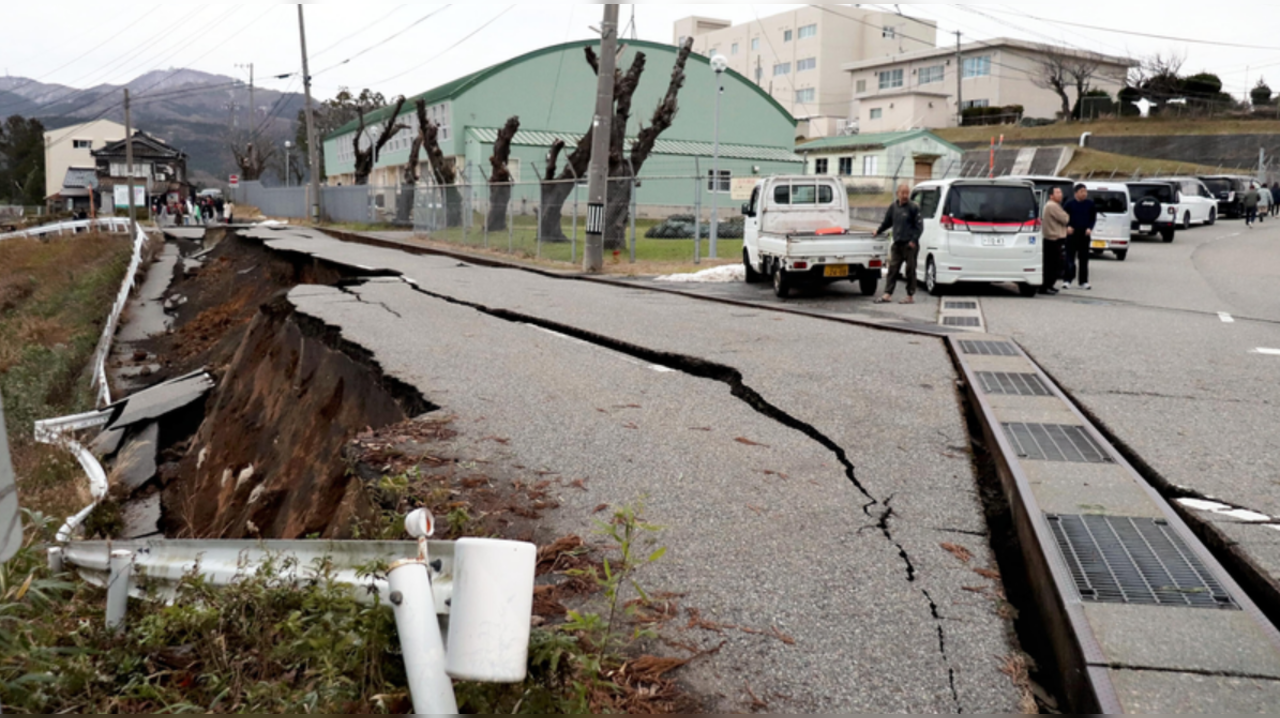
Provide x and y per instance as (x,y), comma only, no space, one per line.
(1105,164)
(54,297)
(1156,126)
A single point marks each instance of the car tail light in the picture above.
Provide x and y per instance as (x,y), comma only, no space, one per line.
(801,265)
(955,269)
(875,264)
(1032,226)
(1173,211)
(951,224)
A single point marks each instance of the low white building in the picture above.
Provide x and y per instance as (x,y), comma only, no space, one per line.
(876,163)
(918,90)
(69,148)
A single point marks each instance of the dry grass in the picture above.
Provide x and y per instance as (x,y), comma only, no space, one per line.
(1111,128)
(54,297)
(1104,165)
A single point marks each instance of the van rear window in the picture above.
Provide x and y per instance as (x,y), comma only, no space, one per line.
(1110,202)
(1220,186)
(803,194)
(995,204)
(1161,192)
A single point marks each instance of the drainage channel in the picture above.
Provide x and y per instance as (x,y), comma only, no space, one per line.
(1138,615)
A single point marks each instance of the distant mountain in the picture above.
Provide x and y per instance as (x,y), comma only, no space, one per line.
(195,111)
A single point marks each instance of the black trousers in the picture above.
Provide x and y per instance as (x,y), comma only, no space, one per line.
(1053,261)
(1078,251)
(900,254)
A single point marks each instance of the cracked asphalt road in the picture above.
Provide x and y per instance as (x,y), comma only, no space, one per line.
(807,473)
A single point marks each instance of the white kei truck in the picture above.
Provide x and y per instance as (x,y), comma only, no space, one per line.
(797,233)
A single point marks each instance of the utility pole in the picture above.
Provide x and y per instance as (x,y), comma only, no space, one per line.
(598,177)
(128,161)
(253,107)
(312,145)
(959,82)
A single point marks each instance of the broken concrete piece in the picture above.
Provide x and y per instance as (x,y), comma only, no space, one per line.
(141,518)
(162,399)
(136,464)
(107,443)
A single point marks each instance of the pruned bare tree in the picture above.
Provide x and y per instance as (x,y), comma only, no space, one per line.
(1053,74)
(366,158)
(409,182)
(443,171)
(500,177)
(623,165)
(1081,69)
(252,158)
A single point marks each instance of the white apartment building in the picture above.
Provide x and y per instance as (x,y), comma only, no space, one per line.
(70,147)
(917,90)
(799,57)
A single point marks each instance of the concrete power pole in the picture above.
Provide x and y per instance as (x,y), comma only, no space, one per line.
(598,176)
(959,83)
(128,161)
(312,142)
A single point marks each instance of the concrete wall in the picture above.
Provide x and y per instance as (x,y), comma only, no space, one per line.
(1228,151)
(60,153)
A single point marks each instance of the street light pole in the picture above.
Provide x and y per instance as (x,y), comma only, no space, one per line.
(718,63)
(597,186)
(288,150)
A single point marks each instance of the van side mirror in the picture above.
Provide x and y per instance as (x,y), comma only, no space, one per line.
(746,210)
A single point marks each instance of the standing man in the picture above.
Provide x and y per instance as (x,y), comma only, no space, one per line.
(1083,215)
(904,217)
(1275,199)
(1056,229)
(1251,200)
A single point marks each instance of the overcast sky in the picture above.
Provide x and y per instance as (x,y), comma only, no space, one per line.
(85,44)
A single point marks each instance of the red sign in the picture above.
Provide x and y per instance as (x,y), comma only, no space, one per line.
(235,180)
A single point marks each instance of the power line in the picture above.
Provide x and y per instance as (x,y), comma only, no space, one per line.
(353,35)
(382,43)
(447,50)
(1171,38)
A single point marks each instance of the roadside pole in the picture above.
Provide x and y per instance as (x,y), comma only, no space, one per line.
(593,254)
(128,160)
(312,147)
(959,82)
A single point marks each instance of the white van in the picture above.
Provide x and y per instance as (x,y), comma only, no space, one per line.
(979,230)
(1114,231)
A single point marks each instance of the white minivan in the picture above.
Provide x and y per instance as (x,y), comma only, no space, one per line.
(1114,231)
(1197,205)
(980,230)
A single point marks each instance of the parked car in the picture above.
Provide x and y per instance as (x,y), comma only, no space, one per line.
(1229,191)
(797,233)
(979,230)
(1197,204)
(1044,184)
(1153,208)
(1114,231)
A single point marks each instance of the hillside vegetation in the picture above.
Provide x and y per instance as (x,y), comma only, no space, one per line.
(1111,128)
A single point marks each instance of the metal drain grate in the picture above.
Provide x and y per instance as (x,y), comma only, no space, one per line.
(990,349)
(1136,561)
(1054,442)
(960,305)
(961,322)
(1013,384)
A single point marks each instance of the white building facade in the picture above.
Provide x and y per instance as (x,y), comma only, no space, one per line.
(71,147)
(799,57)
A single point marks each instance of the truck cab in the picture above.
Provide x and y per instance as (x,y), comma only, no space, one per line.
(797,234)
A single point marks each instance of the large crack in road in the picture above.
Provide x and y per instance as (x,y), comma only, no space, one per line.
(739,389)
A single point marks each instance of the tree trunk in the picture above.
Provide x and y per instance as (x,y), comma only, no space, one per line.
(442,170)
(551,210)
(409,184)
(617,213)
(500,178)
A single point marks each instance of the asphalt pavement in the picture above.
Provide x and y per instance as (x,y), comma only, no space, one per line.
(807,472)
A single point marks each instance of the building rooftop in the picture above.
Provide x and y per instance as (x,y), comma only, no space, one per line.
(661,147)
(870,141)
(998,43)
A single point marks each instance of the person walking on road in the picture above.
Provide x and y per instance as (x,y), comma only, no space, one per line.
(1275,199)
(1056,228)
(1251,201)
(904,217)
(1083,215)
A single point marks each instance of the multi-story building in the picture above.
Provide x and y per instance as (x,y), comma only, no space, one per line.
(69,148)
(799,56)
(918,90)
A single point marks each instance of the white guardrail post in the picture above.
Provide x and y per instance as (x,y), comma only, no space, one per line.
(119,578)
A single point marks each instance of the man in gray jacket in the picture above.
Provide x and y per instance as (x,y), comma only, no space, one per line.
(904,217)
(1251,201)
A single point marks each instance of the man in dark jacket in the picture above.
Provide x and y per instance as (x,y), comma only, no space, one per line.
(1084,218)
(904,217)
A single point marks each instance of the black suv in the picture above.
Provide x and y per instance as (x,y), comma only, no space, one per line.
(1229,191)
(1154,208)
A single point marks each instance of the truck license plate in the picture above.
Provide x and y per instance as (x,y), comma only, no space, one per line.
(1144,228)
(837,271)
(993,241)
(1099,245)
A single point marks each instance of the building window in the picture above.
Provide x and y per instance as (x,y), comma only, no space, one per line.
(755,44)
(140,171)
(970,104)
(82,144)
(889,33)
(513,166)
(870,166)
(734,49)
(977,66)
(891,79)
(877,113)
(808,31)
(726,181)
(846,166)
(782,68)
(862,86)
(809,63)
(930,75)
(806,95)
(822,166)
(786,36)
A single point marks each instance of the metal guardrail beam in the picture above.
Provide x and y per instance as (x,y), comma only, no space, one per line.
(111,224)
(10,521)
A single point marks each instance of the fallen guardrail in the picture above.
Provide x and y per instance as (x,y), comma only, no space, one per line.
(106,224)
(59,432)
(100,355)
(484,586)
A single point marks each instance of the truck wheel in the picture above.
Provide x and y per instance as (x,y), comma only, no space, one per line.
(753,277)
(1122,254)
(1167,234)
(1028,290)
(781,282)
(1213,217)
(869,283)
(931,279)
